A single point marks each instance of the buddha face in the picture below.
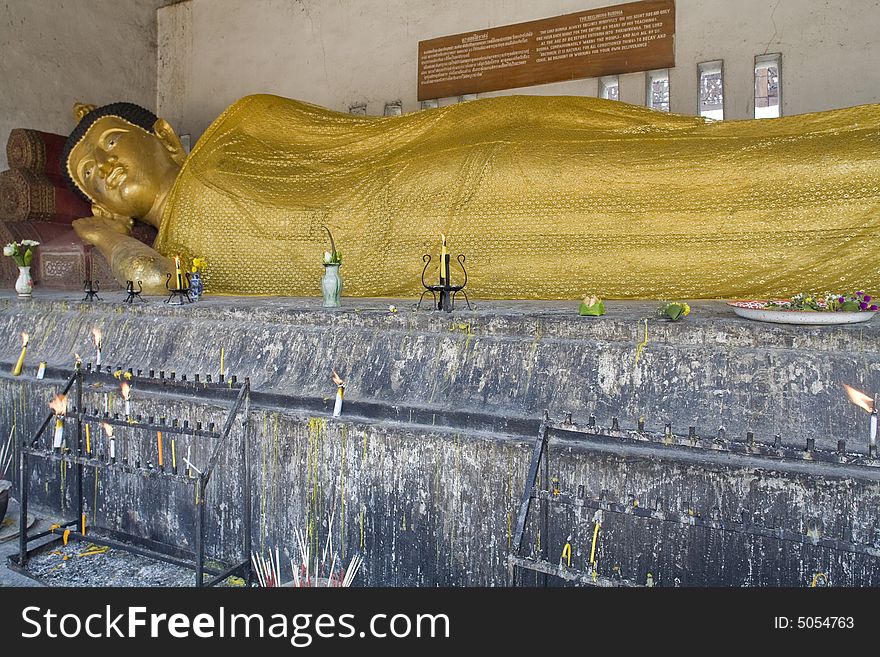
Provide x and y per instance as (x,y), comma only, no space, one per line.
(123,168)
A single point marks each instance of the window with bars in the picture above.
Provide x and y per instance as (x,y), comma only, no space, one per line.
(657,93)
(609,87)
(711,89)
(768,86)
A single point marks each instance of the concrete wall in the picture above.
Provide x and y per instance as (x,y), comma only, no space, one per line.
(337,53)
(56,52)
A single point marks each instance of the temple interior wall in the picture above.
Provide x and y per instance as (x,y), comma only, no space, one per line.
(55,52)
(343,52)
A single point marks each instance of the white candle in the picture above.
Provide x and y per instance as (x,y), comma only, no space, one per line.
(59,432)
(337,407)
(874,428)
(112,447)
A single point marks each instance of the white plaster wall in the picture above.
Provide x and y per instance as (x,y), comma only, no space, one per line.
(56,52)
(341,52)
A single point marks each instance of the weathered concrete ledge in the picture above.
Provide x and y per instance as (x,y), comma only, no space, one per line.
(424,472)
(509,360)
(429,506)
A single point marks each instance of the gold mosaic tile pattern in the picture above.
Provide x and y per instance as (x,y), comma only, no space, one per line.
(548,197)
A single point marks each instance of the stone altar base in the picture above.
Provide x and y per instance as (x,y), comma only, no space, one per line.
(424,471)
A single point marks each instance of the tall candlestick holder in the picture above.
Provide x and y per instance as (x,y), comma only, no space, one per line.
(444,289)
(132,294)
(91,289)
(179,293)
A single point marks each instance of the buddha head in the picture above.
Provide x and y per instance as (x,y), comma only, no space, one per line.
(122,158)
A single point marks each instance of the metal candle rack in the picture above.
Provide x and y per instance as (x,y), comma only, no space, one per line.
(91,290)
(178,294)
(445,289)
(222,391)
(130,291)
(692,449)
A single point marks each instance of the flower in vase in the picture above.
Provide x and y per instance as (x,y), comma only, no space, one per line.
(22,252)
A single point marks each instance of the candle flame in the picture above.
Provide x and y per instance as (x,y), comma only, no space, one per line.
(24,339)
(859,398)
(107,429)
(59,404)
(126,391)
(96,334)
(338,380)
(443,237)
(78,359)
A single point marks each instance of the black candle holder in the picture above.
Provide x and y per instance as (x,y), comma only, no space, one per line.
(178,294)
(132,295)
(91,290)
(445,289)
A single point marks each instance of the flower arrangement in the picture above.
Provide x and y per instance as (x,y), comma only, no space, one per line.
(827,302)
(22,252)
(332,257)
(592,306)
(674,310)
(198,265)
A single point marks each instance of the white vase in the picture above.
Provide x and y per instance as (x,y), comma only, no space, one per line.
(331,286)
(24,285)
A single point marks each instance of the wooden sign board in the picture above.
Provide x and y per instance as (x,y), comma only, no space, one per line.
(637,36)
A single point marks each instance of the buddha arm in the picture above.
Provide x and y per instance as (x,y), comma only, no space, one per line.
(129,258)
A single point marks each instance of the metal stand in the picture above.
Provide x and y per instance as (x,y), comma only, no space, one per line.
(446,290)
(91,291)
(178,294)
(710,452)
(132,295)
(237,393)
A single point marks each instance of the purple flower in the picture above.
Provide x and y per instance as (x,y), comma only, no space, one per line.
(867,298)
(873,308)
(859,293)
(842,299)
(863,305)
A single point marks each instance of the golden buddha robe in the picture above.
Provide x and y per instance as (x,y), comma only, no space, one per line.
(547,197)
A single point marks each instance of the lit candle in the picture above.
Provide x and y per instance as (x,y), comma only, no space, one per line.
(96,335)
(443,258)
(88,440)
(83,524)
(59,406)
(179,272)
(59,432)
(126,395)
(173,456)
(222,359)
(340,392)
(159,443)
(24,343)
(41,371)
(109,431)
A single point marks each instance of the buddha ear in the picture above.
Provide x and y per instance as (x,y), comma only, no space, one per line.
(171,141)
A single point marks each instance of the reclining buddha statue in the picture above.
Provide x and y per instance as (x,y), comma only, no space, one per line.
(548,198)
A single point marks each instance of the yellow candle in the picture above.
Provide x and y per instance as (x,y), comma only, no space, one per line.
(159,441)
(222,355)
(84,524)
(173,455)
(88,442)
(443,258)
(24,343)
(593,549)
(179,273)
